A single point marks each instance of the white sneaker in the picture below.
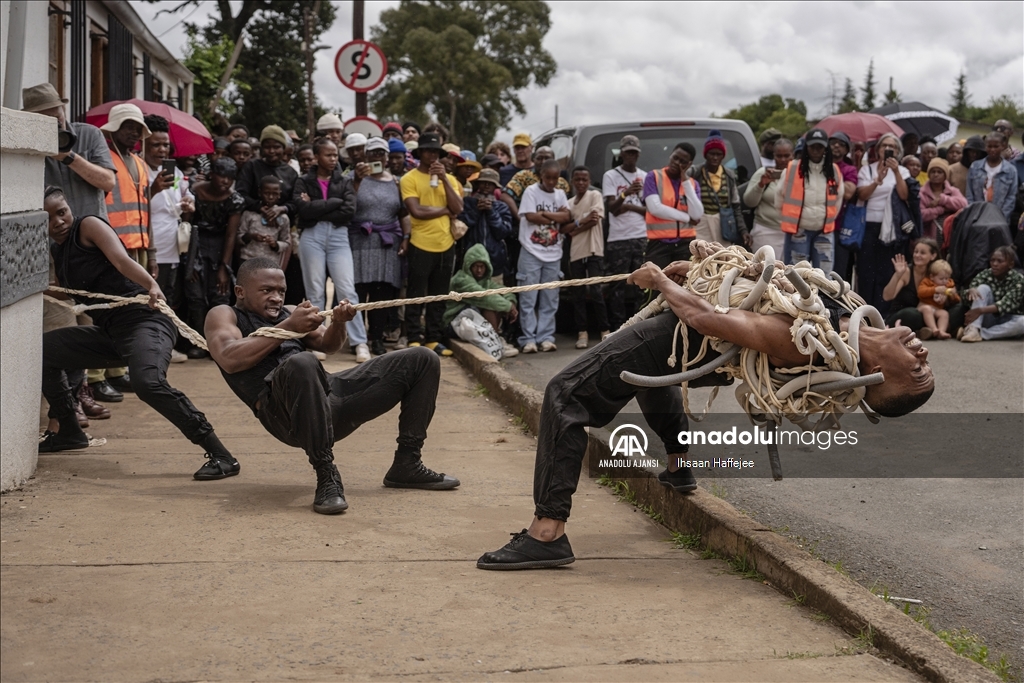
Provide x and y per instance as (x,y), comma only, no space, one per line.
(319,355)
(362,353)
(605,334)
(971,334)
(178,356)
(402,343)
(583,340)
(530,348)
(507,350)
(548,346)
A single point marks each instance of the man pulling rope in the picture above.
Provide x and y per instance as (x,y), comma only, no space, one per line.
(591,390)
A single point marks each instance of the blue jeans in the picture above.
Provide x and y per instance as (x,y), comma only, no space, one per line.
(537,309)
(325,247)
(799,248)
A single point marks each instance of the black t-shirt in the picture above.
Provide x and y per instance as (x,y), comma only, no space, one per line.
(250,384)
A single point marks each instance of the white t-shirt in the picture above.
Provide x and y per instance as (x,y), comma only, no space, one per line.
(164,214)
(876,202)
(629,225)
(991,172)
(542,241)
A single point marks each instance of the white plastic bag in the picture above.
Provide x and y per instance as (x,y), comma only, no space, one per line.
(470,326)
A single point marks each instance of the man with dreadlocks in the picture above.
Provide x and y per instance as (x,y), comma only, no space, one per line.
(88,256)
(809,200)
(590,391)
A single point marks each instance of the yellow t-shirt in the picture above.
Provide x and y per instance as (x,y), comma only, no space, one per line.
(715,179)
(434,235)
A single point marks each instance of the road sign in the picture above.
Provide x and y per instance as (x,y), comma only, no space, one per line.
(364,124)
(360,65)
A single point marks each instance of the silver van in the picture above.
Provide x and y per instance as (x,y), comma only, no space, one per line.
(597,147)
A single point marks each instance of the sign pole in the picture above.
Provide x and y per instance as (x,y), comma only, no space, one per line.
(357,34)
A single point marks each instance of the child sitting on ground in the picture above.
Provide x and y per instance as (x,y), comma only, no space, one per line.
(475,276)
(586,254)
(260,237)
(936,293)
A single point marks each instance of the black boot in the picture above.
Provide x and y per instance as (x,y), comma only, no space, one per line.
(330,493)
(681,480)
(71,436)
(409,472)
(219,464)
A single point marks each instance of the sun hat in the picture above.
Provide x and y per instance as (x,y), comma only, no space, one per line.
(40,98)
(430,141)
(488,175)
(120,113)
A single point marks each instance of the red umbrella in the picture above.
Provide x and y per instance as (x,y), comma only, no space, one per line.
(188,134)
(860,126)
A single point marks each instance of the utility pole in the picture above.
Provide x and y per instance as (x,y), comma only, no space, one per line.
(308,17)
(357,34)
(556,116)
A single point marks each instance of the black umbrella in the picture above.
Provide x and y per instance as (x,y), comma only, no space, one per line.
(918,118)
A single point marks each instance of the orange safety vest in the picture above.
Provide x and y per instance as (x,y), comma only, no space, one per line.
(793,199)
(128,204)
(659,228)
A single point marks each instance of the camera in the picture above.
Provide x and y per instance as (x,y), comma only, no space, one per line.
(65,140)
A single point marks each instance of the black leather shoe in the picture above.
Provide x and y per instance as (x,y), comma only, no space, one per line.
(681,480)
(53,442)
(196,353)
(526,552)
(377,347)
(102,391)
(329,498)
(415,475)
(217,466)
(122,383)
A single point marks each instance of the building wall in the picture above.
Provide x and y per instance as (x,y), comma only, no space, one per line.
(25,57)
(24,140)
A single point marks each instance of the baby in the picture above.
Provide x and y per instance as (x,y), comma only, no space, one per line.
(935,293)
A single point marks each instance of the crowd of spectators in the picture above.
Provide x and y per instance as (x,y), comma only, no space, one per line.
(411,214)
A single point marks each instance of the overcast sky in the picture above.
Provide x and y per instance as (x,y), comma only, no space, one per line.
(640,60)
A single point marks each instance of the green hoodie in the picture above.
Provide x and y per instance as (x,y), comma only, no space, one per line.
(463,281)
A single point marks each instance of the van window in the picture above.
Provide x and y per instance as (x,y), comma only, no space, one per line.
(562,146)
(656,147)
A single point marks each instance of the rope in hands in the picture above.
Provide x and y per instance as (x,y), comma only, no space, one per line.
(278,333)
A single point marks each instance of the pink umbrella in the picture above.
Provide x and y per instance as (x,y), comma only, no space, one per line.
(860,126)
(188,134)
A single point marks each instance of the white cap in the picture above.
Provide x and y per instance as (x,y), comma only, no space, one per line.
(355,140)
(374,143)
(329,122)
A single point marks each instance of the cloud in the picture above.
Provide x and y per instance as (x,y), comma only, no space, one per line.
(621,61)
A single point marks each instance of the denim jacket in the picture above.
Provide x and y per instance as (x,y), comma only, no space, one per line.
(1004,186)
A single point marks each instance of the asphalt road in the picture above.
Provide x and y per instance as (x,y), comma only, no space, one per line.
(956,544)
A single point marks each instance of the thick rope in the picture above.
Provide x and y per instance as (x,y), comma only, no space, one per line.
(726,277)
(278,333)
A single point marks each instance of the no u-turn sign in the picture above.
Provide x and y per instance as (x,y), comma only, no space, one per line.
(360,65)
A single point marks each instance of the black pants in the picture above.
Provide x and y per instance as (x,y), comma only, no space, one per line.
(377,318)
(592,266)
(874,267)
(201,292)
(623,256)
(662,253)
(141,338)
(306,408)
(589,393)
(170,281)
(430,274)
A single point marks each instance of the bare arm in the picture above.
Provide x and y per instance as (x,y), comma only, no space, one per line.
(95,233)
(424,213)
(452,196)
(97,176)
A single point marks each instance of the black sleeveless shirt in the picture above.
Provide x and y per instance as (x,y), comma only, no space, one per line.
(250,384)
(88,268)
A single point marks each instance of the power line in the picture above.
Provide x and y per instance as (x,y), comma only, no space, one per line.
(175,24)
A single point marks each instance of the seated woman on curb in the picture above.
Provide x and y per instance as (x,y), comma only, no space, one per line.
(997,300)
(902,288)
(589,393)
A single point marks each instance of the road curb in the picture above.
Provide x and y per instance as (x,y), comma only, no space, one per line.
(728,532)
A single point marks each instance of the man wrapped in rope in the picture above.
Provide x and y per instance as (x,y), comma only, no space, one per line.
(591,390)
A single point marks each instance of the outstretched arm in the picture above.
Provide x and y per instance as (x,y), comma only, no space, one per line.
(765,333)
(94,232)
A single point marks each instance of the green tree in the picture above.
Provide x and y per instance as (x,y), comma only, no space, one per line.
(268,84)
(462,62)
(868,91)
(772,111)
(891,95)
(961,103)
(1003,107)
(849,101)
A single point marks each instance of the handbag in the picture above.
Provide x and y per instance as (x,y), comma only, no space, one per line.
(851,233)
(459,229)
(727,216)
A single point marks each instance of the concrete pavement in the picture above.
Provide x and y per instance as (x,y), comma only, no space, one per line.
(117,567)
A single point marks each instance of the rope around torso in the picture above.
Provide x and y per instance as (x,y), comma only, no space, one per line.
(278,333)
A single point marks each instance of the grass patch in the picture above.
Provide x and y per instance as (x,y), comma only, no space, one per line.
(746,568)
(685,541)
(519,423)
(866,638)
(480,390)
(717,490)
(838,566)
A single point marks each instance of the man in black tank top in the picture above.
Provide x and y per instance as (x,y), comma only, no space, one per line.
(87,255)
(589,393)
(299,403)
